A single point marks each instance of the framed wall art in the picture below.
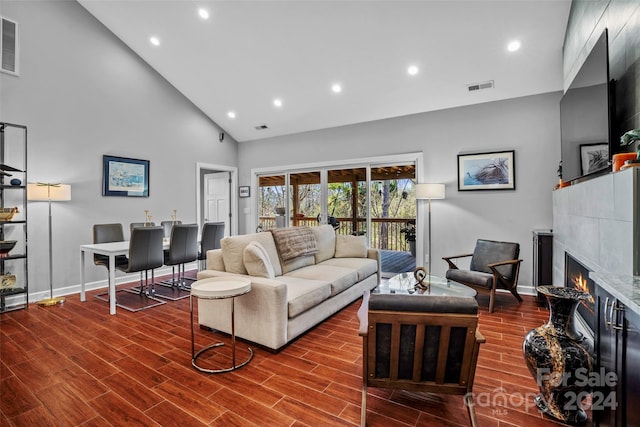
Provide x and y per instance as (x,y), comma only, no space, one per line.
(594,157)
(125,177)
(245,191)
(487,171)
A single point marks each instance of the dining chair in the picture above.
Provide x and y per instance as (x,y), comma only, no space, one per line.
(108,233)
(212,233)
(167,226)
(183,248)
(145,254)
(141,224)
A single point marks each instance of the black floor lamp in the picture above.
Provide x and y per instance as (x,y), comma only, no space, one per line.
(429,192)
(48,192)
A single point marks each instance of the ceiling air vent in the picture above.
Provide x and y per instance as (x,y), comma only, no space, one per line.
(9,46)
(261,127)
(478,86)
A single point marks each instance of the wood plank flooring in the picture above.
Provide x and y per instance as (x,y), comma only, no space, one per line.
(75,365)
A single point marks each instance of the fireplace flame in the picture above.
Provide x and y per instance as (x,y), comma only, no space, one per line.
(580,283)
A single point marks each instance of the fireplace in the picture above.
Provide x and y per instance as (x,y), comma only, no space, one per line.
(576,276)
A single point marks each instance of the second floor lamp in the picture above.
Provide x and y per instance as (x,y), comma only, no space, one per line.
(48,192)
(429,192)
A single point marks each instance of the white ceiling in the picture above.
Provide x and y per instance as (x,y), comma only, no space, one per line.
(250,52)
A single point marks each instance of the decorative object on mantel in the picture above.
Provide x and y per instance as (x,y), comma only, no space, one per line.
(561,183)
(619,160)
(628,138)
(15,182)
(559,357)
(174,217)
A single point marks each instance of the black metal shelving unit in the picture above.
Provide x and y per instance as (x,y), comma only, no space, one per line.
(14,283)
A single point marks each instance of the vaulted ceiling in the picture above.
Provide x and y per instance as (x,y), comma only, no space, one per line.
(246,55)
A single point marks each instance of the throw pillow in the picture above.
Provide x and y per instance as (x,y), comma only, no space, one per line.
(256,261)
(351,246)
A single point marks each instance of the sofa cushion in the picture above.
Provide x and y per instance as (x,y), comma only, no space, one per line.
(256,261)
(214,260)
(297,263)
(303,294)
(326,240)
(364,266)
(340,278)
(351,246)
(233,251)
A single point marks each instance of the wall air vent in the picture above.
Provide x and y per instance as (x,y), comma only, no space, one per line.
(478,86)
(261,127)
(9,46)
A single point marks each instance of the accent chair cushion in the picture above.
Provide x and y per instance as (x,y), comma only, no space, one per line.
(488,251)
(474,278)
(256,261)
(351,246)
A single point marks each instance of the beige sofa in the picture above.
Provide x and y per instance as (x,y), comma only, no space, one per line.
(296,283)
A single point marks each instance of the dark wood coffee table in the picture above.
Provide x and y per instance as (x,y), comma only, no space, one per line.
(405,283)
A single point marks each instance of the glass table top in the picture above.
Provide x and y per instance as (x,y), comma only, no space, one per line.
(405,283)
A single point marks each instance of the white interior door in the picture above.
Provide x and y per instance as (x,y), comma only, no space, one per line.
(216,199)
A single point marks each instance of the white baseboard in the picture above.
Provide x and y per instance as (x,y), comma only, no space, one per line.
(91,286)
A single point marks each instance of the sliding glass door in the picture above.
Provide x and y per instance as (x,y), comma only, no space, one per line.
(374,200)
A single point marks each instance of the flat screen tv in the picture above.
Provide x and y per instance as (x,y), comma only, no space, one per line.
(585,117)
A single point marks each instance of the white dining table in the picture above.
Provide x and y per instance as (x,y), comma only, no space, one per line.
(111,250)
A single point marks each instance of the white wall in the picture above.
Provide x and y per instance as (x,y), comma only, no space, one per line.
(529,125)
(83,93)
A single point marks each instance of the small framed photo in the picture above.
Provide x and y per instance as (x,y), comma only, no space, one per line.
(487,171)
(245,191)
(125,177)
(594,157)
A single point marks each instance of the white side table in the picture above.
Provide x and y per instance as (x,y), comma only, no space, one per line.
(219,288)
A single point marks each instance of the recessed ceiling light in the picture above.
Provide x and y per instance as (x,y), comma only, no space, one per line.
(154,40)
(277,102)
(204,13)
(336,88)
(412,70)
(514,45)
(231,114)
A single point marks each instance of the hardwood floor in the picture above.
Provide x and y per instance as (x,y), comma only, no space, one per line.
(75,365)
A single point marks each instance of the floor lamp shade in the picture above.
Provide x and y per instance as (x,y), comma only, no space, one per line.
(44,192)
(429,191)
(48,192)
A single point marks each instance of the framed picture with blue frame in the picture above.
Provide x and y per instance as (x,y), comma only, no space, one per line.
(125,177)
(487,171)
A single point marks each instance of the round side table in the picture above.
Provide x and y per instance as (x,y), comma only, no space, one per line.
(219,288)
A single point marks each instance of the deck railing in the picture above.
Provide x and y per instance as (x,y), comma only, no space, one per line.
(385,234)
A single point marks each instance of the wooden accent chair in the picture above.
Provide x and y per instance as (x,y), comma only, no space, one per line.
(493,265)
(420,343)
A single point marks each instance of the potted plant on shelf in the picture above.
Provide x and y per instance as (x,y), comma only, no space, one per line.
(629,138)
(410,236)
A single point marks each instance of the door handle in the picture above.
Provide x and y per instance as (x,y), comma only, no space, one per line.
(615,325)
(607,316)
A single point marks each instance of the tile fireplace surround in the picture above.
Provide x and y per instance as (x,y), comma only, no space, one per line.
(593,221)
